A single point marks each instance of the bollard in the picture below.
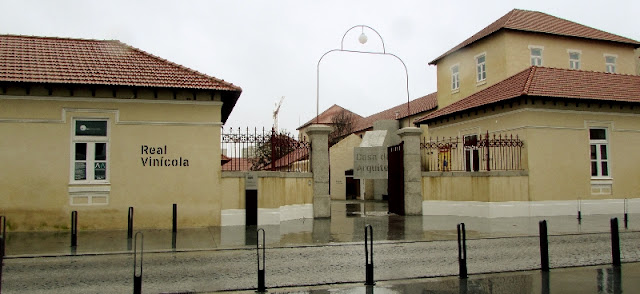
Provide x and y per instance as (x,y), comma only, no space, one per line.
(544,246)
(74,229)
(174,230)
(579,210)
(129,228)
(626,210)
(3,234)
(3,238)
(462,251)
(137,278)
(261,284)
(368,252)
(130,224)
(615,242)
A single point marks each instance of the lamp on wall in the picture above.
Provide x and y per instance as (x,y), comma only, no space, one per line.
(362,39)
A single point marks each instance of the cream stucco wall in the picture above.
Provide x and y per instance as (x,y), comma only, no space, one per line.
(37,169)
(341,160)
(556,151)
(507,53)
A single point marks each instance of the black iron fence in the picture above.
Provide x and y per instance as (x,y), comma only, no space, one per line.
(482,152)
(265,150)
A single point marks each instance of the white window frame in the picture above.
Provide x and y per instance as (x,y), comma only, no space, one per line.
(481,68)
(90,153)
(533,57)
(599,160)
(608,66)
(575,63)
(455,78)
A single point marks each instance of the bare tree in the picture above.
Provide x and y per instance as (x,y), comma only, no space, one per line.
(342,124)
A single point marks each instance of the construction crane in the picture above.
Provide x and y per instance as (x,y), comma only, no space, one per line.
(275,113)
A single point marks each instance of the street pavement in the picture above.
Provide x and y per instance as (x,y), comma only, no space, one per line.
(307,254)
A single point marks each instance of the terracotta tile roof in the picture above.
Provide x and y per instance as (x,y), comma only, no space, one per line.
(96,62)
(422,104)
(238,164)
(538,22)
(550,82)
(326,116)
(292,157)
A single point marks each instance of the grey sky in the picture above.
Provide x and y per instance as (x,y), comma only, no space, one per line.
(272,48)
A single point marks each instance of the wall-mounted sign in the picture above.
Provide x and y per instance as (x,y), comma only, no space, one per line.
(157,157)
(370,163)
(251,181)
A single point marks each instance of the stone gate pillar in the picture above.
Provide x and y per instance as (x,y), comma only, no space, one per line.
(319,137)
(412,170)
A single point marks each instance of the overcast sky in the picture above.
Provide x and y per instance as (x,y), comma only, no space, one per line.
(271,48)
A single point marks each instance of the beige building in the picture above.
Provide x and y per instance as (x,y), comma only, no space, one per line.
(99,126)
(570,95)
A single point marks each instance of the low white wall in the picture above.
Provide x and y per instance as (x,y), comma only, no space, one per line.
(268,216)
(528,208)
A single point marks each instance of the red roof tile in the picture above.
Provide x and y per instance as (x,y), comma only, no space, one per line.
(326,116)
(550,82)
(422,104)
(538,22)
(94,62)
(238,164)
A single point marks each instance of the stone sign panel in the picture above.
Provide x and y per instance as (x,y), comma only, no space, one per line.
(370,162)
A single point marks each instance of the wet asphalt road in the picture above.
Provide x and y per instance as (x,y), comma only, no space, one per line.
(216,270)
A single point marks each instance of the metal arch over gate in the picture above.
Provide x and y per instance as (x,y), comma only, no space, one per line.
(395,187)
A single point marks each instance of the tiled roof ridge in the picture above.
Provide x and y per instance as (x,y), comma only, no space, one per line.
(178,65)
(329,109)
(521,20)
(84,42)
(527,85)
(538,81)
(368,121)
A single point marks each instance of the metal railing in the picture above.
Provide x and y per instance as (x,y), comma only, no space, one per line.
(266,150)
(483,152)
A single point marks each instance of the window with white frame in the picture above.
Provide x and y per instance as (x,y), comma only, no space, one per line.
(610,63)
(455,77)
(89,151)
(599,144)
(574,59)
(536,56)
(481,67)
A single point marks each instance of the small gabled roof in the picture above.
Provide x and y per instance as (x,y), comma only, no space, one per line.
(549,82)
(422,104)
(326,116)
(538,22)
(51,60)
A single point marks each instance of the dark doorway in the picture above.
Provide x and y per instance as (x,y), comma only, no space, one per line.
(395,186)
(352,185)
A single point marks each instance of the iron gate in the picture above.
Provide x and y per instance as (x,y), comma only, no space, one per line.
(395,186)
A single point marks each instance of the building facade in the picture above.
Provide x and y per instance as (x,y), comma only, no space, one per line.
(99,126)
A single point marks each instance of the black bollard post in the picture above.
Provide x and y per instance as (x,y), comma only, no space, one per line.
(579,210)
(544,246)
(3,234)
(137,274)
(615,242)
(129,228)
(130,224)
(74,229)
(174,230)
(261,272)
(626,210)
(368,252)
(3,238)
(462,251)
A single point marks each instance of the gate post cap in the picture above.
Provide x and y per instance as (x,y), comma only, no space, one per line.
(409,131)
(318,129)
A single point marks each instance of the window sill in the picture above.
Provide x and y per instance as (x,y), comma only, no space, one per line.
(481,83)
(602,181)
(455,91)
